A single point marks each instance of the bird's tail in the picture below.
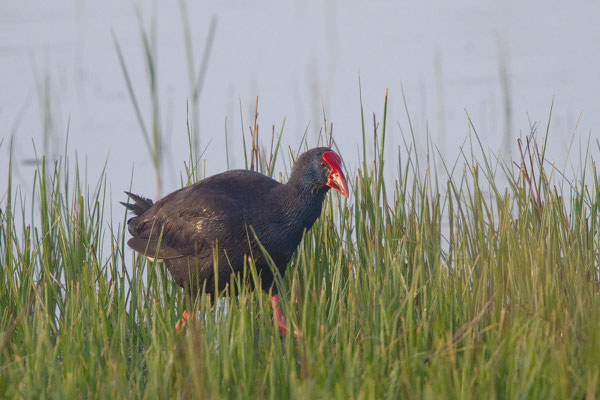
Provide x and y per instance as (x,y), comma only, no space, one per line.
(140,204)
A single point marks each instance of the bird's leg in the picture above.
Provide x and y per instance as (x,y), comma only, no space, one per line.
(182,321)
(281,321)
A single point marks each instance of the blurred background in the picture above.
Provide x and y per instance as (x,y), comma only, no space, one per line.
(501,63)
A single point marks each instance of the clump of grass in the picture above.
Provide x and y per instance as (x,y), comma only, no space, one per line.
(412,288)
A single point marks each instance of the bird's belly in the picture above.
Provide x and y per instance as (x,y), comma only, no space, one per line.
(197,272)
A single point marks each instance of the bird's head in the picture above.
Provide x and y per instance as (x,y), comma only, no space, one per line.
(320,169)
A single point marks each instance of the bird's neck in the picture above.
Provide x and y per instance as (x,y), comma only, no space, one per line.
(304,203)
(294,210)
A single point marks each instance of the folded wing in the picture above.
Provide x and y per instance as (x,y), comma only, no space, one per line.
(185,223)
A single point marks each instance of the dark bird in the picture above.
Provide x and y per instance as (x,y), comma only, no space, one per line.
(234,212)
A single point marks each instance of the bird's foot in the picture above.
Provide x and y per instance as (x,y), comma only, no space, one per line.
(182,322)
(281,321)
(282,325)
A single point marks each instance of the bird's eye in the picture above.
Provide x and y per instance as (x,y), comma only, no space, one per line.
(322,164)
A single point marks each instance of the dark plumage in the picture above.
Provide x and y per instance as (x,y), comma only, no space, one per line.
(227,210)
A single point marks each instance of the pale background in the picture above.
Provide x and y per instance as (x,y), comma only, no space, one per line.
(300,57)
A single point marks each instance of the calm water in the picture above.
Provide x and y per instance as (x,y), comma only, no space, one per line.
(300,58)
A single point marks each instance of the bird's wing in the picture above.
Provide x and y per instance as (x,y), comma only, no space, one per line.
(187,223)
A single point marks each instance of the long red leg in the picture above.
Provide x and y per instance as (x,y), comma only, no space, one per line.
(281,322)
(182,321)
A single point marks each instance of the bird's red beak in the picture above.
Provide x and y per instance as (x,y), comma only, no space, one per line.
(337,180)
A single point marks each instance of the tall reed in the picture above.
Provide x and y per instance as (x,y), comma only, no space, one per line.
(411,288)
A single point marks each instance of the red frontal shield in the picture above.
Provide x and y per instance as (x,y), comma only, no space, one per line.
(337,180)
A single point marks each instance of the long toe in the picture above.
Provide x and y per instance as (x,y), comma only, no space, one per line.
(281,322)
(182,322)
(297,333)
(282,325)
